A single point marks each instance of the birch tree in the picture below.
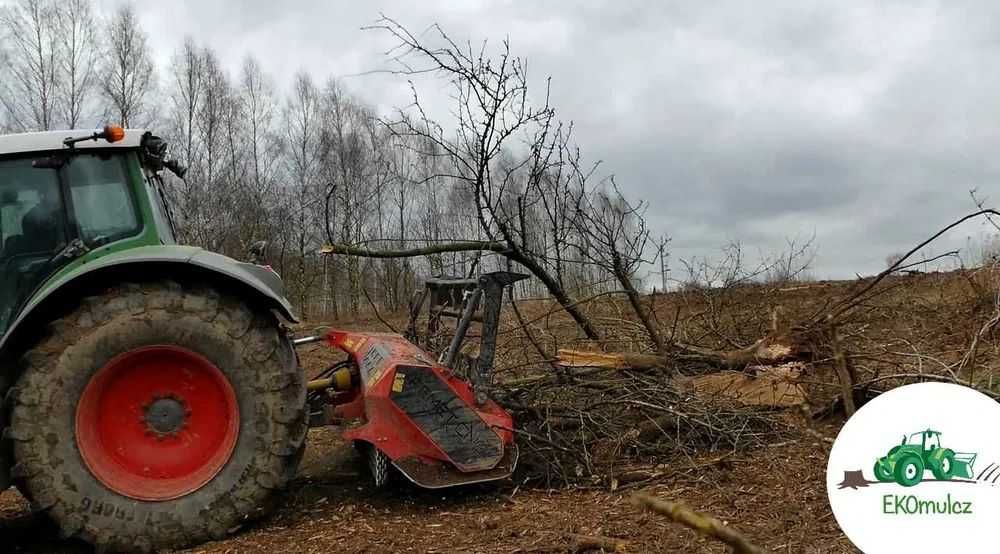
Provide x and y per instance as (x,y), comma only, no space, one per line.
(127,75)
(302,128)
(76,61)
(29,78)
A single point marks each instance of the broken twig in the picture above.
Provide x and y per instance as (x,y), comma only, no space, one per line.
(586,543)
(703,524)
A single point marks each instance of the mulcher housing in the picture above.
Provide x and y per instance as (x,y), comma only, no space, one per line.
(421,415)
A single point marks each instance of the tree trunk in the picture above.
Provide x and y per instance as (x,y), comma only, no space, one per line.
(634,299)
(557,292)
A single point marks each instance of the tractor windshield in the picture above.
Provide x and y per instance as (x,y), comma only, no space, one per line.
(928,439)
(47,202)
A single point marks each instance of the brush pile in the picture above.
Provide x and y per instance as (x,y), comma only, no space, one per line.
(604,425)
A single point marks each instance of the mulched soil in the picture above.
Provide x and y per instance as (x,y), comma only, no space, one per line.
(776,496)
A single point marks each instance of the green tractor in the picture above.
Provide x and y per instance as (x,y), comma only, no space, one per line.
(151,396)
(906,463)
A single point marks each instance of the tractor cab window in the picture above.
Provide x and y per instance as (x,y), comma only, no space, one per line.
(47,202)
(101,198)
(161,210)
(933,441)
(31,218)
(32,229)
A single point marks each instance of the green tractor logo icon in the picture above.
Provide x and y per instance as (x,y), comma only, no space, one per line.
(906,463)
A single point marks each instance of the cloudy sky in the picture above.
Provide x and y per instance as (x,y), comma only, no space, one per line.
(865,123)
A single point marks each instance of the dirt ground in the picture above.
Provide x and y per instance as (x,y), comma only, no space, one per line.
(776,496)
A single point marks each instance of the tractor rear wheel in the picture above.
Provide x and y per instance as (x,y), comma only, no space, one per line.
(909,470)
(944,469)
(158,416)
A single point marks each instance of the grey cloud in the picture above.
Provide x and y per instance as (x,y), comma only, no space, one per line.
(863,122)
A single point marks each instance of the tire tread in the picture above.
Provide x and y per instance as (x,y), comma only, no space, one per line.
(278,387)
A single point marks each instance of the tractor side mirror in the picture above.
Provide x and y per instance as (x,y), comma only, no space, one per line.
(156,155)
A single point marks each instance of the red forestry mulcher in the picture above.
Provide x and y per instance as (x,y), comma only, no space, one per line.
(409,412)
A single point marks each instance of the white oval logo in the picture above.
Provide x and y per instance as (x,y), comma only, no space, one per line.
(917,469)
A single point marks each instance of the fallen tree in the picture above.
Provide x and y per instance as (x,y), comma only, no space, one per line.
(791,343)
(774,349)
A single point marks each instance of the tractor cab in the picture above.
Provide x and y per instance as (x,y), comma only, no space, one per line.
(928,440)
(60,200)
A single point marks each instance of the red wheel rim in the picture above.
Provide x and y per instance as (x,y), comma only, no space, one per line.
(157,423)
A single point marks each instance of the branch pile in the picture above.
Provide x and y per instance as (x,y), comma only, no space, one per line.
(600,425)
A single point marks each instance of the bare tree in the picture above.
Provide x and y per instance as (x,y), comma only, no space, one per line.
(346,158)
(793,263)
(187,75)
(613,235)
(664,257)
(302,118)
(77,59)
(217,94)
(210,131)
(492,109)
(233,166)
(29,80)
(128,72)
(398,213)
(185,89)
(263,150)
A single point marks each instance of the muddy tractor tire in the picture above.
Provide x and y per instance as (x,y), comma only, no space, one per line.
(157,416)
